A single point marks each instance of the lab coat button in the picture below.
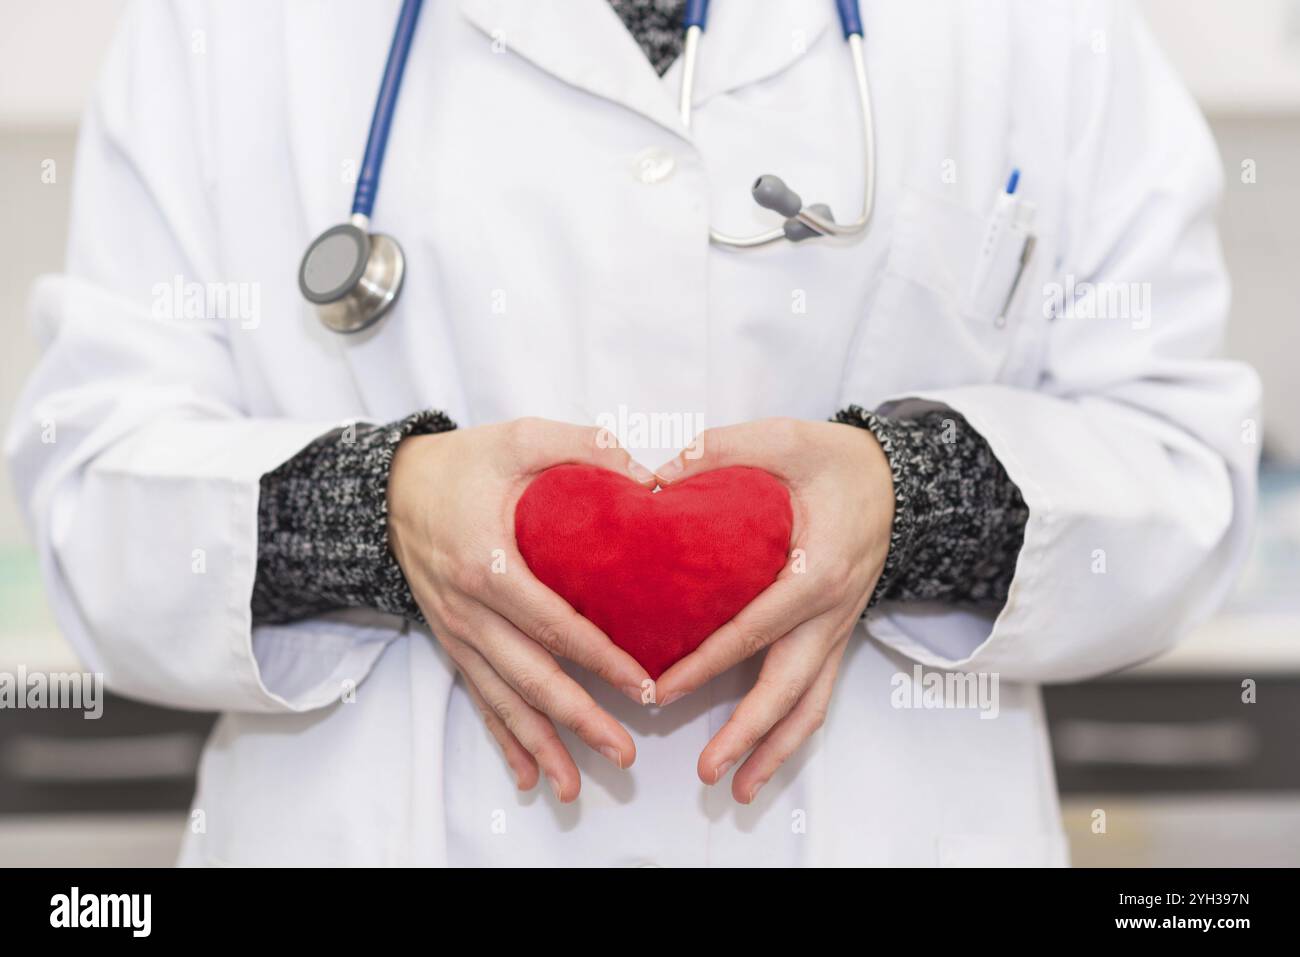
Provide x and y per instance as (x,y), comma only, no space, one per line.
(653,165)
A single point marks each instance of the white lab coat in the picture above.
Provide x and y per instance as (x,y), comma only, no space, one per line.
(553,211)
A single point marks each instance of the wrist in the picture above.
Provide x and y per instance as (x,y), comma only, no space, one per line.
(399,475)
(413,469)
(900,533)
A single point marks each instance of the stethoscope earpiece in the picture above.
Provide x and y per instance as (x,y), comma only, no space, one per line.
(351,276)
(770,192)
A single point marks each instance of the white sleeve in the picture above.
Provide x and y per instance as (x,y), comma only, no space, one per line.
(132,450)
(1137,454)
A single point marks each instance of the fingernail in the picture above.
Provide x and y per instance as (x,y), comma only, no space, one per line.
(753,792)
(642,695)
(723,768)
(670,469)
(671,697)
(614,755)
(555,788)
(640,472)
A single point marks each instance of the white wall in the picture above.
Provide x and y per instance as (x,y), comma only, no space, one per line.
(1237,56)
(50,51)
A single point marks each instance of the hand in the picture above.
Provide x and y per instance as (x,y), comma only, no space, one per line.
(451,501)
(842,493)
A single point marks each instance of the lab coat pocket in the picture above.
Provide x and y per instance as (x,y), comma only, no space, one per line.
(933,321)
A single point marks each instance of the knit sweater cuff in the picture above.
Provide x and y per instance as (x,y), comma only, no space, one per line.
(323,525)
(959,519)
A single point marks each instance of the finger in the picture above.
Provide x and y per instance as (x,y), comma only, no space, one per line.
(540,681)
(517,757)
(767,444)
(551,622)
(778,610)
(790,732)
(789,670)
(541,443)
(532,729)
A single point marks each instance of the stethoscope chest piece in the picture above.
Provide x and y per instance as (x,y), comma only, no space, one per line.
(351,276)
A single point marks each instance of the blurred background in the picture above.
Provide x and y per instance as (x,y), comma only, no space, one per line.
(1162,765)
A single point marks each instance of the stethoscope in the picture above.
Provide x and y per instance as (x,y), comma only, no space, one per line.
(353,276)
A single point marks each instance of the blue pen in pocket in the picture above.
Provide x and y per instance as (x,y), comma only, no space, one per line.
(1004,253)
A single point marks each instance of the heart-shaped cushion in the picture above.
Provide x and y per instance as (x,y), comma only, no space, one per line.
(657,572)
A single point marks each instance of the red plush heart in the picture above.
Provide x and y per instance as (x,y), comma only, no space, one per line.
(657,572)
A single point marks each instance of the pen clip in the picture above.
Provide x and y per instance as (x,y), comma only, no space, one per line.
(1026,252)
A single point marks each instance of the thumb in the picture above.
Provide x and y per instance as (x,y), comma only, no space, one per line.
(610,455)
(541,443)
(764,444)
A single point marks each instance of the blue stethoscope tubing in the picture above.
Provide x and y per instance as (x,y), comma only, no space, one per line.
(363,200)
(353,276)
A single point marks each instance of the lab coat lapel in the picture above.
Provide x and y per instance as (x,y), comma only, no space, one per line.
(751,40)
(583,43)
